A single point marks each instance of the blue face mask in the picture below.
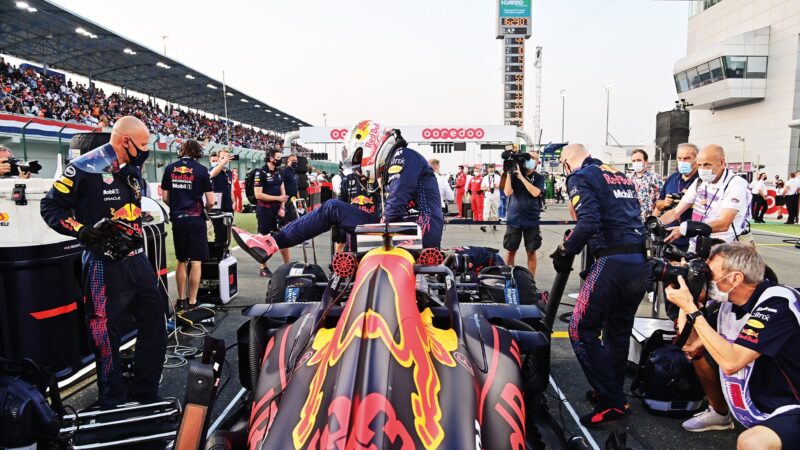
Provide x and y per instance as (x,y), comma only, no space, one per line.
(530,164)
(684,167)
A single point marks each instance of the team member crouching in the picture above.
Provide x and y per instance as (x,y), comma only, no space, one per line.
(409,182)
(271,196)
(754,338)
(183,187)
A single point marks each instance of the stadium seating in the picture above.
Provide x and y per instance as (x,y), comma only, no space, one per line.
(24,91)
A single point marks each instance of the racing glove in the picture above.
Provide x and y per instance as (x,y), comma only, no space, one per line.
(92,238)
(562,261)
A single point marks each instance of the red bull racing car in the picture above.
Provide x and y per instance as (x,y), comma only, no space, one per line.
(383,361)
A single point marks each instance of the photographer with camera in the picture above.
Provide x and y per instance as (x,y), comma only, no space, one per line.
(11,167)
(523,186)
(675,187)
(93,189)
(222,180)
(718,198)
(753,337)
(491,195)
(608,219)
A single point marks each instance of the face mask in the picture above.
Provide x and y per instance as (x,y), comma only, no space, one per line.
(530,164)
(638,166)
(139,159)
(685,168)
(707,175)
(293,165)
(715,294)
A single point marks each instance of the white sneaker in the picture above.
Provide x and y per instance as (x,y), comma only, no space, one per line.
(708,420)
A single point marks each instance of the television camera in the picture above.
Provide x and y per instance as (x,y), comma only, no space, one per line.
(514,160)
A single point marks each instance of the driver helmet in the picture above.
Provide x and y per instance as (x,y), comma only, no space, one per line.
(368,144)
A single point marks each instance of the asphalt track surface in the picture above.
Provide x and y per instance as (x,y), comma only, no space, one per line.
(644,431)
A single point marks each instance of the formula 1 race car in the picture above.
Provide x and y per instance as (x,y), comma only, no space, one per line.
(383,361)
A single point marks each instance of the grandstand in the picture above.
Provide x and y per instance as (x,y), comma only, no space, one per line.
(175,101)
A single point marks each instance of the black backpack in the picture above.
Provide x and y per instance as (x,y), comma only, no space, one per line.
(250,186)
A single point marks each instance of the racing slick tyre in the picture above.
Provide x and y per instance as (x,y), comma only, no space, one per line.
(252,339)
(280,290)
(494,291)
(535,380)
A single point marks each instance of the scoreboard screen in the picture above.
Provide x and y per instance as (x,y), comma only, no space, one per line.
(514,28)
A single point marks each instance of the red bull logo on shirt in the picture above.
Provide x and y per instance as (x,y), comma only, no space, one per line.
(128,212)
(182,169)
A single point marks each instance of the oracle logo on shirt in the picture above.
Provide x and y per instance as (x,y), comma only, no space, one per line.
(453,133)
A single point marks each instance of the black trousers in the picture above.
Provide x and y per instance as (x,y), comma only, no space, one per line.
(118,292)
(791,205)
(759,208)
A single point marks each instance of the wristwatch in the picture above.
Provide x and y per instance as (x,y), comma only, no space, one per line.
(690,318)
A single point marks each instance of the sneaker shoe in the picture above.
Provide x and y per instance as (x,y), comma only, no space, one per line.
(261,248)
(180,304)
(603,415)
(483,228)
(265,272)
(708,420)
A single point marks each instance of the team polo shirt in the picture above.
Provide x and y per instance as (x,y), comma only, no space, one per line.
(270,181)
(187,182)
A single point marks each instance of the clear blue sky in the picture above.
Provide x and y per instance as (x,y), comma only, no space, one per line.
(422,62)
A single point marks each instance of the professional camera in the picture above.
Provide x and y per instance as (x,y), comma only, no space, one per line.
(234,157)
(676,197)
(696,271)
(513,160)
(18,166)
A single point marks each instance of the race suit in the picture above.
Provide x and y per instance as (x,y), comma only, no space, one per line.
(114,290)
(355,191)
(476,197)
(412,196)
(461,184)
(608,219)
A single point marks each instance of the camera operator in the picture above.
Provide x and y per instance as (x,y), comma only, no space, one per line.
(718,197)
(184,185)
(114,289)
(6,156)
(754,339)
(675,187)
(608,219)
(222,180)
(523,186)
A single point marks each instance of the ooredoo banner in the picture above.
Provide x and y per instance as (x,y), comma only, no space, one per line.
(419,134)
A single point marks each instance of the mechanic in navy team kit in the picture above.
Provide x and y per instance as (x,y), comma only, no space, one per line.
(105,184)
(608,219)
(271,197)
(357,190)
(183,187)
(405,175)
(222,180)
(291,182)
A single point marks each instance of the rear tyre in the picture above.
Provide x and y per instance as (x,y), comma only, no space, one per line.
(492,290)
(276,292)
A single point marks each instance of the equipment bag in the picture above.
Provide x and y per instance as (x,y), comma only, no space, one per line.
(666,381)
(250,186)
(26,416)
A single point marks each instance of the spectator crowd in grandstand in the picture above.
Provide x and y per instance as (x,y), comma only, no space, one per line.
(25,91)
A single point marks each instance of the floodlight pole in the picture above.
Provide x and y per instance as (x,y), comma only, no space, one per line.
(225,102)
